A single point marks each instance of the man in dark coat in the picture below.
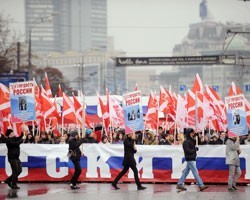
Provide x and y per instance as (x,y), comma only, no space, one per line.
(13,145)
(129,161)
(75,155)
(190,148)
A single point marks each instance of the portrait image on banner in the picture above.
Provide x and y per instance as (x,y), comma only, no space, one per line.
(133,113)
(236,115)
(22,100)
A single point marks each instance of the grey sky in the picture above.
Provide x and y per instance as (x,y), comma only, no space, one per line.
(150,27)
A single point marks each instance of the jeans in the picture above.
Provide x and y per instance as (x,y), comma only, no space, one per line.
(191,165)
(234,174)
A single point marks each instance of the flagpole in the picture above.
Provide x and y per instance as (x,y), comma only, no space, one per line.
(83,115)
(196,118)
(33,127)
(77,124)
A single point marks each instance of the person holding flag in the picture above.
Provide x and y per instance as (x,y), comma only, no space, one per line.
(233,161)
(13,146)
(75,154)
(190,148)
(129,161)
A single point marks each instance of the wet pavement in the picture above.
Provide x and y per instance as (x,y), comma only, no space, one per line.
(104,191)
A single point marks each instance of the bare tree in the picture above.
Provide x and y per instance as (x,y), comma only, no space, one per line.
(55,78)
(7,45)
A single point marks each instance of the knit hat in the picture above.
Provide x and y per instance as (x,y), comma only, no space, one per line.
(187,131)
(88,131)
(8,132)
(73,133)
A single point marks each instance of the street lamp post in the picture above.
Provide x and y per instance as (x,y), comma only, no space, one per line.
(81,75)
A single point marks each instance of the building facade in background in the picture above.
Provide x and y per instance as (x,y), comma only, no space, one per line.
(66,25)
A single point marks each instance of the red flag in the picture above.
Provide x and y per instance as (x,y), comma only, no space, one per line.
(181,112)
(4,99)
(107,95)
(78,110)
(68,111)
(47,107)
(218,107)
(234,90)
(195,101)
(116,112)
(105,114)
(136,87)
(47,86)
(151,118)
(198,86)
(167,103)
(60,92)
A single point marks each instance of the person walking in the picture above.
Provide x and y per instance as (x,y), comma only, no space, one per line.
(129,161)
(190,148)
(233,161)
(75,155)
(13,146)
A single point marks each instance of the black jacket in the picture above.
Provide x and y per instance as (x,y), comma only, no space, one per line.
(189,148)
(13,145)
(129,152)
(74,145)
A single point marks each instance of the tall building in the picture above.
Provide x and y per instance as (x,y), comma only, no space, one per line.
(66,25)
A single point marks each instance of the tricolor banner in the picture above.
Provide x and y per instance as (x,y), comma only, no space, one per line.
(22,100)
(101,162)
(236,114)
(133,113)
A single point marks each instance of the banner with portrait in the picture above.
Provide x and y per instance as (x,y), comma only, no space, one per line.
(133,113)
(22,101)
(236,116)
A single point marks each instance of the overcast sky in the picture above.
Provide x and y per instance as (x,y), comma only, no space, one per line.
(150,27)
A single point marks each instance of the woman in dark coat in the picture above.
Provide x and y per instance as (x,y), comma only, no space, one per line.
(129,161)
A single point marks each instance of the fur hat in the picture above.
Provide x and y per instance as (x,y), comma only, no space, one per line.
(214,135)
(8,132)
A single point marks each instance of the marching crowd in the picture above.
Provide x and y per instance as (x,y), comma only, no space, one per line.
(149,137)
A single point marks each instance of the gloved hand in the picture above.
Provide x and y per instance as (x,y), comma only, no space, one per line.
(197,148)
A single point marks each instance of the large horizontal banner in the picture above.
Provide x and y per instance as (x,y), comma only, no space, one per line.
(180,60)
(100,162)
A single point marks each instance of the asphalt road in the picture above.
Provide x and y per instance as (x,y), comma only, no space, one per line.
(128,191)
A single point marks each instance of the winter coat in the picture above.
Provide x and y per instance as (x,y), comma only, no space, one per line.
(232,155)
(74,145)
(13,145)
(189,148)
(129,152)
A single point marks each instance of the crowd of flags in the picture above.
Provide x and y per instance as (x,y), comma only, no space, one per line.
(200,108)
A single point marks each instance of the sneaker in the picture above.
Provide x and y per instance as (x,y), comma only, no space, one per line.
(115,186)
(15,187)
(231,189)
(74,187)
(203,187)
(141,188)
(180,187)
(235,188)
